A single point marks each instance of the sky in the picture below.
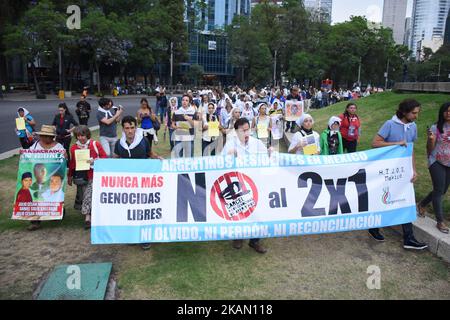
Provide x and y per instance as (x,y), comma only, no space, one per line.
(372,9)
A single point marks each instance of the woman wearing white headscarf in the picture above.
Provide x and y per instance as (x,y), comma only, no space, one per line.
(210,116)
(262,122)
(331,138)
(306,138)
(276,121)
(249,113)
(226,112)
(173,106)
(228,130)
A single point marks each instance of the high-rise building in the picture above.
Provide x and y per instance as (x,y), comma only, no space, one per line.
(407,36)
(321,9)
(447,30)
(207,48)
(276,2)
(394,14)
(428,24)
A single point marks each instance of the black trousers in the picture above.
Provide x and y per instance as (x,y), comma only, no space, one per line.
(149,138)
(440,176)
(407,231)
(290,124)
(83,121)
(65,141)
(24,143)
(205,144)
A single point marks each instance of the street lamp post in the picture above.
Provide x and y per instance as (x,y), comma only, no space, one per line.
(60,69)
(439,71)
(171,63)
(359,71)
(275,69)
(386,75)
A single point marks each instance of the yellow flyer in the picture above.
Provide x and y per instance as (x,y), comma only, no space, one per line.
(262,131)
(310,149)
(20,123)
(82,158)
(213,129)
(184,125)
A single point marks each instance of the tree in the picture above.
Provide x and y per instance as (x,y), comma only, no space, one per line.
(261,61)
(240,36)
(293,18)
(195,73)
(104,39)
(38,34)
(304,65)
(266,19)
(10,12)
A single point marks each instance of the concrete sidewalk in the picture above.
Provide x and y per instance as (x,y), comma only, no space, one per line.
(424,229)
(438,243)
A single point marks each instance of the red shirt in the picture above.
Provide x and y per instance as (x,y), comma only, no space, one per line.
(24,195)
(101,154)
(350,127)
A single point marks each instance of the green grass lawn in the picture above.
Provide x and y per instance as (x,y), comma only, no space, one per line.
(375,110)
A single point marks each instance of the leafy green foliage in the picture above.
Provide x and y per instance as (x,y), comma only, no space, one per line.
(307,49)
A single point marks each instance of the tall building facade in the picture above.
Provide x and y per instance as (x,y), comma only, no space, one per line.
(207,47)
(428,24)
(322,9)
(220,13)
(407,37)
(447,30)
(394,14)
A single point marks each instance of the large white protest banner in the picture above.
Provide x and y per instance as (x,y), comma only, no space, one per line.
(222,198)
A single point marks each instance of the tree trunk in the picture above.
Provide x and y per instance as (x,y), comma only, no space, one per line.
(3,71)
(36,83)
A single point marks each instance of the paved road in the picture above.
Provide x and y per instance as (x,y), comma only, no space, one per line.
(44,111)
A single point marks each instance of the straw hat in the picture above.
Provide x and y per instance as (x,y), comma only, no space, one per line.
(47,130)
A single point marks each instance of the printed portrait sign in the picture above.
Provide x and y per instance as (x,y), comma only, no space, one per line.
(294,110)
(40,186)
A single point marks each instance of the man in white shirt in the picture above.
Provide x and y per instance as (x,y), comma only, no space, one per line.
(239,146)
(243,143)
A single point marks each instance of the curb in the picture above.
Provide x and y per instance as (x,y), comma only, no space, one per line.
(424,229)
(438,243)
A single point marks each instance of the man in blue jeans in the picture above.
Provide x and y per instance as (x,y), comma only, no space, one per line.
(161,103)
(401,130)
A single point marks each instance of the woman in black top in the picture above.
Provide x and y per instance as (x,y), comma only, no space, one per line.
(62,122)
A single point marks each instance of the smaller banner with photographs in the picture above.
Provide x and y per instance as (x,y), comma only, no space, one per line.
(40,185)
(294,110)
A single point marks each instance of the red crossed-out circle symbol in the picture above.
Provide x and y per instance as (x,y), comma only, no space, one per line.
(234,196)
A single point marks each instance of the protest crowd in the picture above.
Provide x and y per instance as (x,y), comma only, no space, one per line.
(235,122)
